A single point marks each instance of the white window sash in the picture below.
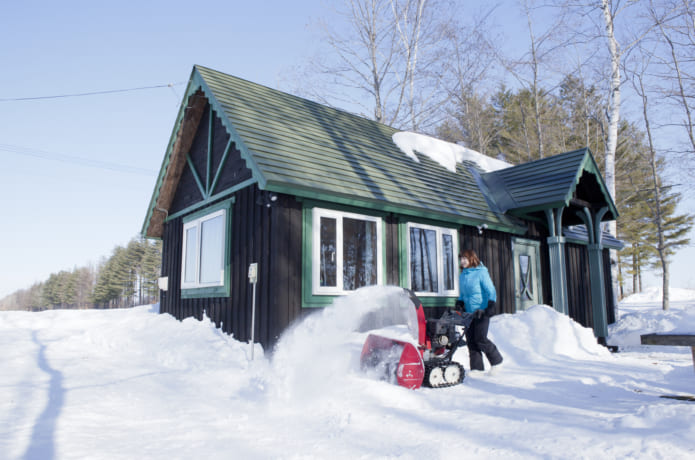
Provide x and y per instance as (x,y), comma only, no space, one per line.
(440,232)
(198,224)
(318,213)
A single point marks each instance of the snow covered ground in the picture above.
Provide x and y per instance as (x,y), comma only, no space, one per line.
(125,384)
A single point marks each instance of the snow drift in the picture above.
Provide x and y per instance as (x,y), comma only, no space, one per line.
(135,384)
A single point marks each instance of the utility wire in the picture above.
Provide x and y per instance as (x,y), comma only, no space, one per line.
(76,160)
(94,93)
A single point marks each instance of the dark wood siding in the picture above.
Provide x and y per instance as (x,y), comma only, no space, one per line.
(578,278)
(578,284)
(495,251)
(187,191)
(610,299)
(199,148)
(272,236)
(234,170)
(269,236)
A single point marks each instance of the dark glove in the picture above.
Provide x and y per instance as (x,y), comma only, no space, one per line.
(491,308)
(478,313)
(460,305)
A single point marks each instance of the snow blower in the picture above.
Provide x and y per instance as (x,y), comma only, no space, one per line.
(423,355)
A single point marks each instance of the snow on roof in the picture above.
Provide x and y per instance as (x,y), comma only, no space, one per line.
(445,153)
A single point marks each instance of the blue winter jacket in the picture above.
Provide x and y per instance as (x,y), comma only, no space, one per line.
(476,288)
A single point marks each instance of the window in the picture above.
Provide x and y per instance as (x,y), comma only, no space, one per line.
(346,251)
(204,264)
(432,260)
(525,281)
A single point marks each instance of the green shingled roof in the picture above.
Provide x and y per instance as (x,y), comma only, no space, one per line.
(550,183)
(299,147)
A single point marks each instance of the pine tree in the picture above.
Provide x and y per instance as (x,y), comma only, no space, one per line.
(151,269)
(674,228)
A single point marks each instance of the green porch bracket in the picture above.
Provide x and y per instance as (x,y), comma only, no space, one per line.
(558,270)
(592,221)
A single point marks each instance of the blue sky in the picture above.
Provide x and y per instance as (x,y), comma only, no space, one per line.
(59,211)
(77,172)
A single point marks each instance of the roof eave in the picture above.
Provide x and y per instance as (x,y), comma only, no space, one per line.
(498,222)
(196,82)
(145,231)
(589,164)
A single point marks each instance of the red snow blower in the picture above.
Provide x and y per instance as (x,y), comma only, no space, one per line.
(425,356)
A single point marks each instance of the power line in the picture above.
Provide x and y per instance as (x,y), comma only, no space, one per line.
(93,93)
(76,160)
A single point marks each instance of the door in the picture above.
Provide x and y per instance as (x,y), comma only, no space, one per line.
(527,280)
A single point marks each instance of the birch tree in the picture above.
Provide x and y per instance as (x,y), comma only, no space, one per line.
(386,57)
(527,69)
(609,11)
(468,69)
(675,23)
(670,230)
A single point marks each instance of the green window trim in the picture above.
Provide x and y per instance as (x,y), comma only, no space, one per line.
(310,299)
(222,290)
(428,300)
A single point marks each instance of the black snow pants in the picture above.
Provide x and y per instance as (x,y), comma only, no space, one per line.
(478,343)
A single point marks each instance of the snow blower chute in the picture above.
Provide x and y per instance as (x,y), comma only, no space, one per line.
(421,353)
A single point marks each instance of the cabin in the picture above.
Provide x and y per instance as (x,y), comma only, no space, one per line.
(325,202)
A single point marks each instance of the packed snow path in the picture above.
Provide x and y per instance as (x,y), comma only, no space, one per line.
(123,384)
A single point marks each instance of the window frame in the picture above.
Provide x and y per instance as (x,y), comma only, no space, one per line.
(440,232)
(198,289)
(317,213)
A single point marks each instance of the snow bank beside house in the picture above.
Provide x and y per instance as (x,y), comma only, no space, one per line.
(445,153)
(541,334)
(132,383)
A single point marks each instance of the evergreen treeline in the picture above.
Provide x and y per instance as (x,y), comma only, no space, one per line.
(614,76)
(127,278)
(571,118)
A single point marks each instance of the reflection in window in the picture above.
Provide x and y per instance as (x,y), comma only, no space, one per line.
(204,251)
(525,273)
(346,251)
(449,262)
(423,260)
(327,253)
(432,259)
(211,249)
(359,253)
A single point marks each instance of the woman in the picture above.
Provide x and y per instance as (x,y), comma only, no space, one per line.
(478,296)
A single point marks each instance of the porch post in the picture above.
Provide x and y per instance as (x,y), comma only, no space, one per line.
(558,270)
(596,277)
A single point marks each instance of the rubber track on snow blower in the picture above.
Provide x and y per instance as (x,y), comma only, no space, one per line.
(430,366)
